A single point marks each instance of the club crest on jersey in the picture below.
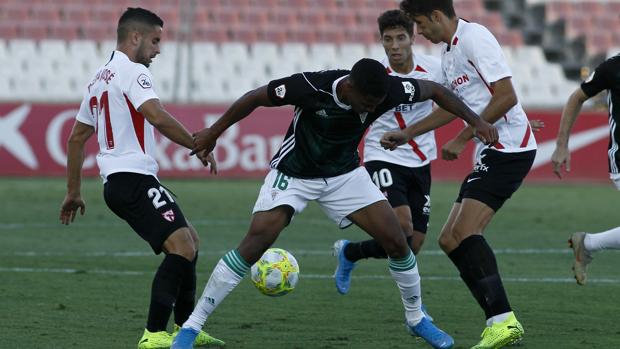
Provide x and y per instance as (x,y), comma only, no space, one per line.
(168,215)
(280,91)
(144,81)
(409,88)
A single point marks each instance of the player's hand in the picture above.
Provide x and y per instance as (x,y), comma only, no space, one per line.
(560,157)
(208,160)
(451,150)
(486,133)
(392,139)
(69,208)
(203,140)
(537,125)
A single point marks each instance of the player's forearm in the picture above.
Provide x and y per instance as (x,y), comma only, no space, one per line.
(498,106)
(240,109)
(172,129)
(569,115)
(452,104)
(75,159)
(434,120)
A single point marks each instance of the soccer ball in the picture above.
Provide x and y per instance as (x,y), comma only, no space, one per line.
(276,272)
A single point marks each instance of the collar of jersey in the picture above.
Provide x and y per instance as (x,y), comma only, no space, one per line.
(338,102)
(459,27)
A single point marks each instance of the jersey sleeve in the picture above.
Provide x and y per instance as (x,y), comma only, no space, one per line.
(140,87)
(289,90)
(600,79)
(85,114)
(485,54)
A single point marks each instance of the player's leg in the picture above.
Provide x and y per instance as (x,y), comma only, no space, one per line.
(379,221)
(231,268)
(154,214)
(406,189)
(352,198)
(184,303)
(280,197)
(585,244)
(496,179)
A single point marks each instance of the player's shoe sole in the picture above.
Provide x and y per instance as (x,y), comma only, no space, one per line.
(582,257)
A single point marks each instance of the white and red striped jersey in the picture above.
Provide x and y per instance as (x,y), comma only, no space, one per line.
(111,101)
(470,64)
(422,149)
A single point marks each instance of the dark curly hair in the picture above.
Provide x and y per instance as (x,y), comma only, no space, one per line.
(395,18)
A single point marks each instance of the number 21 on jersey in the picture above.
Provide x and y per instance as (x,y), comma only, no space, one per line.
(98,107)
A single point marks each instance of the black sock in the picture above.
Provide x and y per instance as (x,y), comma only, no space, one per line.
(355,251)
(165,289)
(478,268)
(187,295)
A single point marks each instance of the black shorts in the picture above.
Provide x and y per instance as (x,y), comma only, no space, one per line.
(403,185)
(496,177)
(145,204)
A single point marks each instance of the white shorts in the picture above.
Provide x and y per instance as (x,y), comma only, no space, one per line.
(338,196)
(615,178)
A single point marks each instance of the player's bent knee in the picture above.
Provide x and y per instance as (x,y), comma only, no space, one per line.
(181,243)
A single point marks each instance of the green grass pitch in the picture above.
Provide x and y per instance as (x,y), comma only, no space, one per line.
(87,285)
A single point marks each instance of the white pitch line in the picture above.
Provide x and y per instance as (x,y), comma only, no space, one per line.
(326,252)
(118,223)
(306,276)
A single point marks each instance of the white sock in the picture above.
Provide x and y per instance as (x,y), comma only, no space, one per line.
(405,273)
(221,282)
(609,239)
(498,318)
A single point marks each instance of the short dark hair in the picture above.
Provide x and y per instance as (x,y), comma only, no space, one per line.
(136,18)
(395,18)
(426,7)
(370,78)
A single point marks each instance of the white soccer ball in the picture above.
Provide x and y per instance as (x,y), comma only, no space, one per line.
(276,273)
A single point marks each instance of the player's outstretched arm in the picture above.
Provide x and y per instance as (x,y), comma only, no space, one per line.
(561,155)
(165,123)
(448,101)
(75,158)
(439,117)
(205,139)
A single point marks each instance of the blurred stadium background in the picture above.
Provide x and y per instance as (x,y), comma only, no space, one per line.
(215,50)
(84,286)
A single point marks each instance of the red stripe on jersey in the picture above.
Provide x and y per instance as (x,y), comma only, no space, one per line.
(485,84)
(526,136)
(412,143)
(456,39)
(389,71)
(498,145)
(137,119)
(418,68)
(481,78)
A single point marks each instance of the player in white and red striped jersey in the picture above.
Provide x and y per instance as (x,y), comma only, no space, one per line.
(120,105)
(475,69)
(403,175)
